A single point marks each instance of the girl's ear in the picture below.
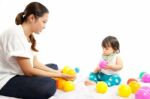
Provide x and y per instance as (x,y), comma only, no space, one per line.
(31,18)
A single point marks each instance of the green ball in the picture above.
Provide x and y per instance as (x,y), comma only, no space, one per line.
(141,75)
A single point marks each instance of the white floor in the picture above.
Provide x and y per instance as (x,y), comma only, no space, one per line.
(88,92)
(84,92)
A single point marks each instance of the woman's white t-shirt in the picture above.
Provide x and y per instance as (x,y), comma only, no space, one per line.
(13,42)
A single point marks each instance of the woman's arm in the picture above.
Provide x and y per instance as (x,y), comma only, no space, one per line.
(28,70)
(117,66)
(38,65)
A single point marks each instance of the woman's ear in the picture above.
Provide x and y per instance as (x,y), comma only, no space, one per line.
(31,18)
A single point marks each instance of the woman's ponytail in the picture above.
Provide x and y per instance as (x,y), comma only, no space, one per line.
(19,18)
(33,42)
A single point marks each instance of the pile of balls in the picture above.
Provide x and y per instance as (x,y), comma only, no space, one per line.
(144,91)
(133,86)
(67,85)
(145,77)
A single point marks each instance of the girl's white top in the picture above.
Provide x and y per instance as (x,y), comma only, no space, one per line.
(111,59)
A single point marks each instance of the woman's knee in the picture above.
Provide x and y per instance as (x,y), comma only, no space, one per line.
(53,66)
(48,89)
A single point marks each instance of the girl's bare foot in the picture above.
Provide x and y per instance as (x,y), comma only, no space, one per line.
(89,82)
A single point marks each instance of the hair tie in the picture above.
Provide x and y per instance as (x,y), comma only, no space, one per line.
(23,14)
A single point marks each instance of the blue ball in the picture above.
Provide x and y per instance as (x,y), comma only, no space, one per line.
(77,70)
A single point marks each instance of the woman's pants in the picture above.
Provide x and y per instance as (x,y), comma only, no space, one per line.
(26,87)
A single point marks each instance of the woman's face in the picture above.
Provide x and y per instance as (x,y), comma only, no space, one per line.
(39,24)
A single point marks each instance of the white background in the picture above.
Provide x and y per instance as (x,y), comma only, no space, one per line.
(76,28)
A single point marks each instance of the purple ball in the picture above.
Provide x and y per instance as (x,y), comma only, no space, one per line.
(143,93)
(103,64)
(146,78)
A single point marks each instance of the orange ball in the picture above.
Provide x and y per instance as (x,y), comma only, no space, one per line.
(60,83)
(134,85)
(131,79)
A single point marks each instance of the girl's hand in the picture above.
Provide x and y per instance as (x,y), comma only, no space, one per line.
(108,67)
(97,69)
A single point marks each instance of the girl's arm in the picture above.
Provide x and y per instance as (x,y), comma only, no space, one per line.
(117,66)
(28,70)
(97,69)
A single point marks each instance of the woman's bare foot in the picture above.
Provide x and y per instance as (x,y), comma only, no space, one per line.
(89,82)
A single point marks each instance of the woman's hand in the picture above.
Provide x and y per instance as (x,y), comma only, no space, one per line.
(68,77)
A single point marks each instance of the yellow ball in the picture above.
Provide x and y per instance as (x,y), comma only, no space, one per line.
(69,86)
(65,69)
(101,87)
(124,90)
(134,85)
(71,72)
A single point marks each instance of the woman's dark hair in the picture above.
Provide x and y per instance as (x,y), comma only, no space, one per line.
(38,10)
(111,41)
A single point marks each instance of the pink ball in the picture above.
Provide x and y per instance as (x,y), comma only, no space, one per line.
(143,93)
(103,64)
(146,78)
(146,88)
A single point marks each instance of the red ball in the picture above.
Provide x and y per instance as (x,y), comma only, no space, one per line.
(131,79)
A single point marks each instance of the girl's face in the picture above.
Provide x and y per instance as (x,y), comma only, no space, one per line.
(108,50)
(39,24)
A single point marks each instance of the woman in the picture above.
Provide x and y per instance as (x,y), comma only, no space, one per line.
(21,74)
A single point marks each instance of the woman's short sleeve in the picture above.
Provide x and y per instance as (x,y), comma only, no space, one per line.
(16,44)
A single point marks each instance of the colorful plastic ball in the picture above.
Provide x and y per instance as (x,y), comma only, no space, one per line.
(146,88)
(143,93)
(77,70)
(69,86)
(103,64)
(60,83)
(146,78)
(124,90)
(71,72)
(65,69)
(134,85)
(131,79)
(141,74)
(101,87)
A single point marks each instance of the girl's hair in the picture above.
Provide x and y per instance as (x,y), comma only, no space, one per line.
(111,41)
(38,10)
